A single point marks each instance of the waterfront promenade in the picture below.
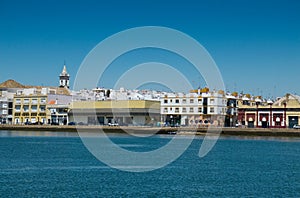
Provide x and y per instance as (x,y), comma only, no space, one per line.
(283,132)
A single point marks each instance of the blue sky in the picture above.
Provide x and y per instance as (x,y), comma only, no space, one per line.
(256,44)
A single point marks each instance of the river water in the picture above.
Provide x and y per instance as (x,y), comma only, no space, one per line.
(56,164)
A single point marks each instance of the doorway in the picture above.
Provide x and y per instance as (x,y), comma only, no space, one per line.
(293,120)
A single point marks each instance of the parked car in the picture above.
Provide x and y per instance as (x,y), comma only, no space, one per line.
(113,124)
(82,123)
(296,126)
(38,123)
(72,123)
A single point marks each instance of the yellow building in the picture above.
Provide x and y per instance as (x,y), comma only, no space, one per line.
(30,106)
(121,112)
(282,113)
(30,109)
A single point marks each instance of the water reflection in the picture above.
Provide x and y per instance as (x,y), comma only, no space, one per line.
(8,133)
(12,133)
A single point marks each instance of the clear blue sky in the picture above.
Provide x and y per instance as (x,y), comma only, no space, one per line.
(256,44)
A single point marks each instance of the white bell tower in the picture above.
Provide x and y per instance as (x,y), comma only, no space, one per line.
(64,78)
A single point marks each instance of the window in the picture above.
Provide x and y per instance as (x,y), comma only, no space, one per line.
(18,101)
(200,110)
(165,101)
(191,100)
(26,101)
(212,110)
(34,101)
(212,101)
(183,110)
(177,101)
(42,108)
(43,100)
(191,110)
(183,101)
(26,108)
(176,110)
(200,100)
(34,108)
(165,110)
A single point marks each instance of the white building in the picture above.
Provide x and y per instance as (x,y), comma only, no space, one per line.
(197,108)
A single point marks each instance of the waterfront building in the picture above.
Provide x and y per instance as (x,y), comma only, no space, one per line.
(30,105)
(121,112)
(198,108)
(59,106)
(232,110)
(3,109)
(7,91)
(260,113)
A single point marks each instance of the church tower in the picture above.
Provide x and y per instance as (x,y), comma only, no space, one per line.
(64,78)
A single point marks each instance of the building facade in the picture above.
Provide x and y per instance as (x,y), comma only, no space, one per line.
(30,109)
(59,106)
(7,91)
(258,113)
(30,106)
(197,108)
(121,112)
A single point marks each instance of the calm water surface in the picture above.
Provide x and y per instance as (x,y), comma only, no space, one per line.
(58,165)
